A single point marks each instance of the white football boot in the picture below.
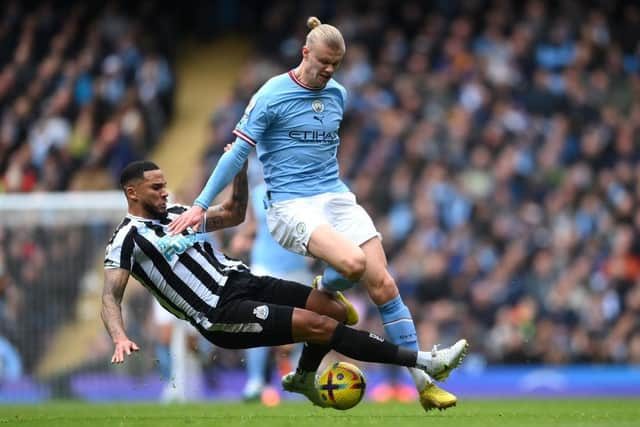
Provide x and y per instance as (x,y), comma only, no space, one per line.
(439,363)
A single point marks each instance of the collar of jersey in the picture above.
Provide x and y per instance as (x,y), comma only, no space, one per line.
(139,218)
(302,85)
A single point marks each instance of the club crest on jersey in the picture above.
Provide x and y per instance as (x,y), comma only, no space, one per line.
(301,227)
(317,106)
(261,312)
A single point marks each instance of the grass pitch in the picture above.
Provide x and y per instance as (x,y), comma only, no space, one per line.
(468,413)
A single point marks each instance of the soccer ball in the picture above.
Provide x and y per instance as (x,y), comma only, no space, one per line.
(342,385)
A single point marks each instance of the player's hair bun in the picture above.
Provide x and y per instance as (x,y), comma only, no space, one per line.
(313,22)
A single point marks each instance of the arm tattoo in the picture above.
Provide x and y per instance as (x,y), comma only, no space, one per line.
(232,211)
(216,218)
(115,282)
(216,221)
(240,194)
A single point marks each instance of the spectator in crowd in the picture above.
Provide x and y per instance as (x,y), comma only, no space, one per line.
(78,90)
(72,112)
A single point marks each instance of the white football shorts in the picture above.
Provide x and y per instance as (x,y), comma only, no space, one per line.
(291,222)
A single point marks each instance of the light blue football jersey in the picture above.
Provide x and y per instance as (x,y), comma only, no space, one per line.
(265,251)
(295,131)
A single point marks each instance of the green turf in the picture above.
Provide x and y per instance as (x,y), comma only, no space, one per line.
(469,413)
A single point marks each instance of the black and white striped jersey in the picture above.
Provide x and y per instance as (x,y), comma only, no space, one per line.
(184,272)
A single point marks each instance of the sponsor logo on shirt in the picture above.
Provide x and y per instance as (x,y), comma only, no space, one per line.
(172,245)
(314,136)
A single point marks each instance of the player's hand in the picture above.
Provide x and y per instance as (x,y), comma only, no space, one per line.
(124,347)
(191,218)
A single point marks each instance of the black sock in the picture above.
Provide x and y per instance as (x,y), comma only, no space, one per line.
(368,347)
(311,357)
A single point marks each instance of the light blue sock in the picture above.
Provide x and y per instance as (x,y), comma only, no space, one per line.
(257,358)
(398,324)
(400,329)
(334,281)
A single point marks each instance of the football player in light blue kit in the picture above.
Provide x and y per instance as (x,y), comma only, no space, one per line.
(268,258)
(293,120)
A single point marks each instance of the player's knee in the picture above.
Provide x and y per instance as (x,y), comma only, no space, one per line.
(354,265)
(320,328)
(382,290)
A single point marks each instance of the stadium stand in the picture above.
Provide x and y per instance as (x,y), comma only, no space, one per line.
(81,89)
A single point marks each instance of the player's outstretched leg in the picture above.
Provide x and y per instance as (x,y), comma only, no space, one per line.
(436,362)
(440,363)
(303,380)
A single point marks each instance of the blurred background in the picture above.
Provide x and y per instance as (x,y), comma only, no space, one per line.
(495,143)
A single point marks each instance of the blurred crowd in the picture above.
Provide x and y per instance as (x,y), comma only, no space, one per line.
(84,89)
(42,271)
(496,145)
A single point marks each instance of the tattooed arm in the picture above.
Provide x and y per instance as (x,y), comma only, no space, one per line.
(115,282)
(232,211)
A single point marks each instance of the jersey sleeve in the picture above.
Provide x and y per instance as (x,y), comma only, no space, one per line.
(255,120)
(119,253)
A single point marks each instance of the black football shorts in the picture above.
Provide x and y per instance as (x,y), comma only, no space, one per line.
(255,311)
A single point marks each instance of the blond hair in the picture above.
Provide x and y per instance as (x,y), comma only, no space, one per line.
(330,35)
